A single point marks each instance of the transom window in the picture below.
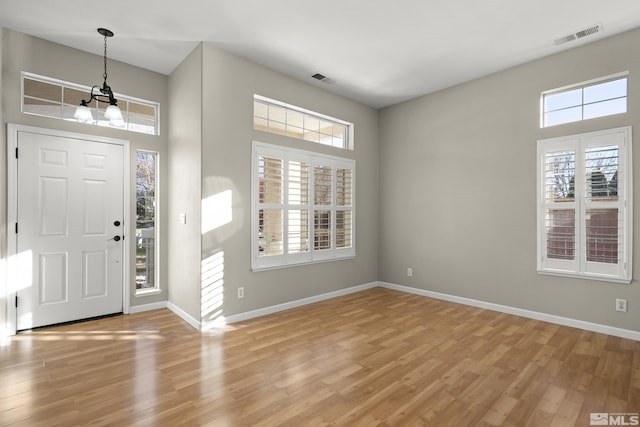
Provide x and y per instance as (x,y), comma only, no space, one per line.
(284,119)
(585,207)
(44,96)
(603,97)
(303,207)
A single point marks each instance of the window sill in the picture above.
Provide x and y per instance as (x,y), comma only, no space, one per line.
(147,292)
(611,279)
(299,264)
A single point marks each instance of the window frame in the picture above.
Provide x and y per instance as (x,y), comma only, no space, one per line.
(580,267)
(349,127)
(312,256)
(582,86)
(155,289)
(65,85)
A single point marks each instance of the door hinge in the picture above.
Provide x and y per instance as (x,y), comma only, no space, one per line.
(16,228)
(16,152)
(16,301)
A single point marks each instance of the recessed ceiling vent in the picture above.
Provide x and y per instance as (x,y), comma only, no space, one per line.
(323,78)
(579,34)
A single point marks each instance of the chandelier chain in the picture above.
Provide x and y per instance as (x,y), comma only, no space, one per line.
(105,59)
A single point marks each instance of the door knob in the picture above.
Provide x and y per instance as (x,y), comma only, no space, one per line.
(116,223)
(116,238)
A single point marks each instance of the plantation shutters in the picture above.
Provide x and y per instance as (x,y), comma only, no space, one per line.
(584,214)
(302,207)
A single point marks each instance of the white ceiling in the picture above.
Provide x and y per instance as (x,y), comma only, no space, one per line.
(378,52)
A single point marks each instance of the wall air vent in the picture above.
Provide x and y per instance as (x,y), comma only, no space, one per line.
(579,34)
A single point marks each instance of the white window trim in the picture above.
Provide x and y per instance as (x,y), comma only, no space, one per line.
(83,88)
(156,265)
(348,125)
(312,256)
(580,268)
(584,84)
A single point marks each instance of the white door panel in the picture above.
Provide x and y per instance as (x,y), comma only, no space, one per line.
(70,194)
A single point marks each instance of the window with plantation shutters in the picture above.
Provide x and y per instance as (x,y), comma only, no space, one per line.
(302,207)
(585,207)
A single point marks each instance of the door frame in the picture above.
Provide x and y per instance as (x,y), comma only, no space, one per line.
(12,272)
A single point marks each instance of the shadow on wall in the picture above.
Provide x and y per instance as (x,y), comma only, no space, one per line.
(212,290)
(220,219)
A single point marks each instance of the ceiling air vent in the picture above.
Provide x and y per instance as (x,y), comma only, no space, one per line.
(579,34)
(323,78)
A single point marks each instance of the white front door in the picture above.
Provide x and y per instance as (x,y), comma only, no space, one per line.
(70,229)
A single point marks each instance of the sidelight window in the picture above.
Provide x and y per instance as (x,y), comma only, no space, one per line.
(146,222)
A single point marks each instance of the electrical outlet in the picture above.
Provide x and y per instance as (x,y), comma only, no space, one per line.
(409,272)
(241,292)
(621,305)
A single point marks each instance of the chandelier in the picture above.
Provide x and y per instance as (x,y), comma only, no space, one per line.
(101,94)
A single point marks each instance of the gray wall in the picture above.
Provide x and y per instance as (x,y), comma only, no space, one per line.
(183,182)
(229,83)
(445,183)
(21,52)
(458,187)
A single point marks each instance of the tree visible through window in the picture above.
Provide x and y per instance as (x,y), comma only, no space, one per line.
(146,186)
(585,207)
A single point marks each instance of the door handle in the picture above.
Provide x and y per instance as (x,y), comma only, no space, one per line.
(116,238)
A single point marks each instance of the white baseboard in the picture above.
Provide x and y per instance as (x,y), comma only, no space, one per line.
(147,307)
(298,303)
(184,315)
(559,320)
(221,321)
(580,324)
(166,304)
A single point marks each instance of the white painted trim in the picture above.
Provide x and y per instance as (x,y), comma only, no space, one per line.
(349,125)
(157,221)
(147,307)
(288,305)
(184,315)
(559,320)
(12,209)
(126,285)
(62,84)
(11,269)
(621,271)
(311,256)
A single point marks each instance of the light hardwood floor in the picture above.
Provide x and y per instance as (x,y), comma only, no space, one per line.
(374,358)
